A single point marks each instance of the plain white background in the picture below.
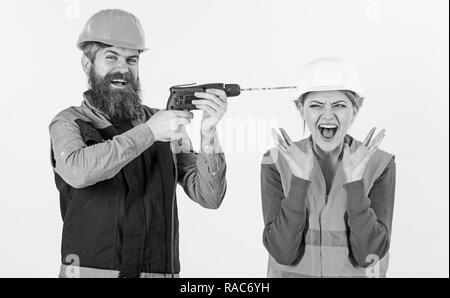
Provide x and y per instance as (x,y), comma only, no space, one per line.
(399,48)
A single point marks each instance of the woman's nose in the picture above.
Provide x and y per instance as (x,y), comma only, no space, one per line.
(327,112)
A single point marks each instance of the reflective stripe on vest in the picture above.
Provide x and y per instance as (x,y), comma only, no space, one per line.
(326,243)
(69,271)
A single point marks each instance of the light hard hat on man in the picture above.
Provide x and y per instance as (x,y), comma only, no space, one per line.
(114,27)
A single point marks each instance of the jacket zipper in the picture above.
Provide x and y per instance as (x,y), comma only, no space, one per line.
(172,229)
(172,236)
(320,240)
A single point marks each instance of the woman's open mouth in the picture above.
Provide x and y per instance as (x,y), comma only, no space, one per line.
(328,131)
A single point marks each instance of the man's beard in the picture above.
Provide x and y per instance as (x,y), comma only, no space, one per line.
(118,104)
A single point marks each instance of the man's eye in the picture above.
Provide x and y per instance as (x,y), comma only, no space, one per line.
(111,58)
(340,106)
(314,106)
(132,61)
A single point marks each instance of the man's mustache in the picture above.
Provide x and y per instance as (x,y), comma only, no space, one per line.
(127,77)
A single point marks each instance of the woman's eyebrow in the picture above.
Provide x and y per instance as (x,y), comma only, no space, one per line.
(317,102)
(340,101)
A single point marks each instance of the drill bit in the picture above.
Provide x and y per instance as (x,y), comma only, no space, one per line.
(269,88)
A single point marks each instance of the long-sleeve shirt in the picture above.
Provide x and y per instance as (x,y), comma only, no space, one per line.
(286,217)
(202,175)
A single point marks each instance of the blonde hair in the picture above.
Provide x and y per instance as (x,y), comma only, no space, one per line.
(354,98)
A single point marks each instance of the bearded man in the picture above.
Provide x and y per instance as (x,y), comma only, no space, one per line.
(114,163)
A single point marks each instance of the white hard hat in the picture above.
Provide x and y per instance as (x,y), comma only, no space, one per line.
(328,74)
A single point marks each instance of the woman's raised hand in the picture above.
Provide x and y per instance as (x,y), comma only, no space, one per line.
(301,163)
(355,163)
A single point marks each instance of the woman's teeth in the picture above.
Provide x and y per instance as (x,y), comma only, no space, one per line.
(328,131)
(328,126)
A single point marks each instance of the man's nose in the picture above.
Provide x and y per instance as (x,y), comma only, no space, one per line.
(123,70)
(122,66)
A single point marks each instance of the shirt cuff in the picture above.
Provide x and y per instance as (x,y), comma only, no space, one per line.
(210,143)
(142,137)
(356,198)
(296,198)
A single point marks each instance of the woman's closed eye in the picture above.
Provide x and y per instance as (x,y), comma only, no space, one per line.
(315,106)
(340,106)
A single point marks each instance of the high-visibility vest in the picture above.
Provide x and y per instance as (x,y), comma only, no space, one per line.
(327,251)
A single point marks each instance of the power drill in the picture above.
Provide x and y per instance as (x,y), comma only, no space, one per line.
(181,96)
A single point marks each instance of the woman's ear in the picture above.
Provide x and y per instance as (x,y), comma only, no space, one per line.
(87,64)
(355,113)
(300,110)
